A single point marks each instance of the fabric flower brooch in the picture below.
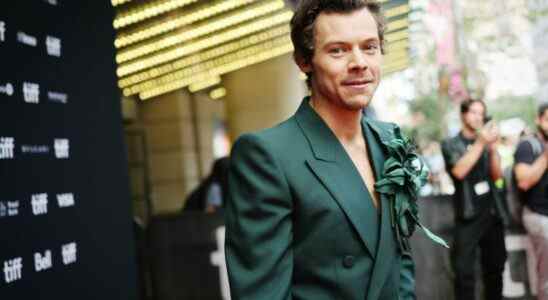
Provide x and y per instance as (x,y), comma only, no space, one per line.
(404,174)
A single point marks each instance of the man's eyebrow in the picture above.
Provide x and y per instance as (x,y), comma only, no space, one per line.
(367,40)
(372,39)
(334,42)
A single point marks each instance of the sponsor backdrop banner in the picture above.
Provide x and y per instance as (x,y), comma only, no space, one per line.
(65,213)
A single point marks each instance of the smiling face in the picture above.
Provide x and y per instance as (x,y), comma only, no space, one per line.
(474,117)
(346,64)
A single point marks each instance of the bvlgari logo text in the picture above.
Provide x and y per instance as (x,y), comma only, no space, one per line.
(35,149)
(31,92)
(26,39)
(6,89)
(57,97)
(7,144)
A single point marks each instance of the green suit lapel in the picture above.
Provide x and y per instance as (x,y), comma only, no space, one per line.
(387,246)
(336,171)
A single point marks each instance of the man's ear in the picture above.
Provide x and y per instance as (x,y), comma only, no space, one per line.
(304,66)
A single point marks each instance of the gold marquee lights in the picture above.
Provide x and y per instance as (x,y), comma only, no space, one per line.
(204,43)
(147,10)
(245,54)
(188,17)
(118,2)
(198,31)
(166,45)
(219,70)
(203,56)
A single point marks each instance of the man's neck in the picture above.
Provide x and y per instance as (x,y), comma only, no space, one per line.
(469,133)
(345,123)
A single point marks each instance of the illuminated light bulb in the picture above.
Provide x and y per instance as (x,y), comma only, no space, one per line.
(217,93)
(204,84)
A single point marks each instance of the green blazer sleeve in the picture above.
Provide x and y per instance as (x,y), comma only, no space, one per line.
(407,278)
(258,224)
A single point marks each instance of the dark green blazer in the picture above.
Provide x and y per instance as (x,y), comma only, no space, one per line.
(300,223)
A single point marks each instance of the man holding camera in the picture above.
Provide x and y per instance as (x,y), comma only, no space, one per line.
(473,163)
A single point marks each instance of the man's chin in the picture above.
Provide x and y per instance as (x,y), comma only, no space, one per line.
(359,101)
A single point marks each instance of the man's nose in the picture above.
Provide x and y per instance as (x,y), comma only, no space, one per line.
(358,60)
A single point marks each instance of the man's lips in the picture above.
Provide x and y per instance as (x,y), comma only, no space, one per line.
(357,82)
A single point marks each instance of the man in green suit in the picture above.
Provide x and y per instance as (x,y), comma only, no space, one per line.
(303,218)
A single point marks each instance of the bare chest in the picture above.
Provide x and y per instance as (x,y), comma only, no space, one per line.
(360,158)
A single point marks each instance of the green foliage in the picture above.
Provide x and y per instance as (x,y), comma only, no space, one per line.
(523,107)
(430,111)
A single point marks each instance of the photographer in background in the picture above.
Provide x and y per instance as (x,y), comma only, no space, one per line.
(473,163)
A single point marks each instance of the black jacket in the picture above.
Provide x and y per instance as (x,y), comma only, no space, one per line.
(466,205)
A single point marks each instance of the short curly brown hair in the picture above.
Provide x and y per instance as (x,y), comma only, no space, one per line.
(302,23)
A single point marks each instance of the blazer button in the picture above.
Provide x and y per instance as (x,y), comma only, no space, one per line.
(348,261)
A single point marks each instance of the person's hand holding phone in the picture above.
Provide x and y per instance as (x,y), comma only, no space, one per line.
(489,133)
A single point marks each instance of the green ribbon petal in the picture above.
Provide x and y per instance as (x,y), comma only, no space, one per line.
(433,237)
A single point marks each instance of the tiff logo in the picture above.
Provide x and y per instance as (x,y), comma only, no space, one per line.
(7,144)
(9,209)
(65,200)
(6,89)
(2,31)
(42,262)
(13,270)
(39,204)
(31,92)
(53,46)
(68,252)
(61,148)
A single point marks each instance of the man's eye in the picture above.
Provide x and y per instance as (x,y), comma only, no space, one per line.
(372,47)
(337,50)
